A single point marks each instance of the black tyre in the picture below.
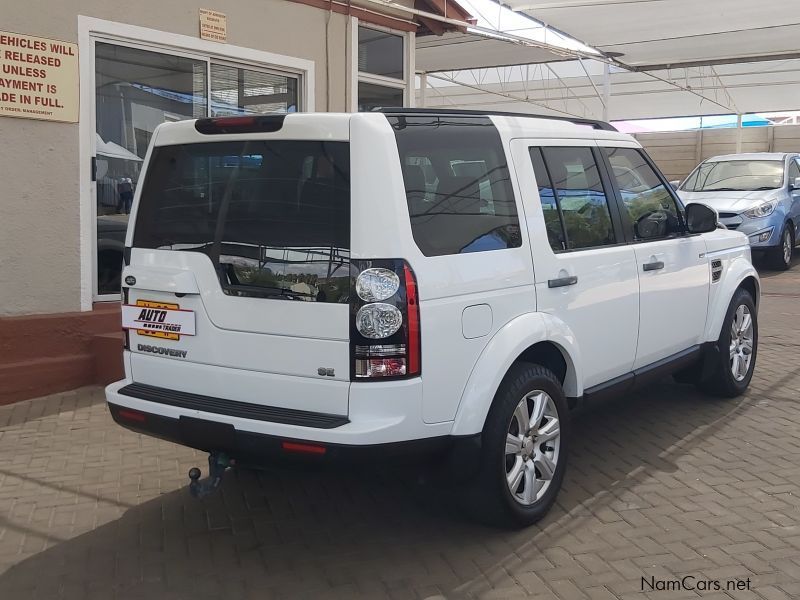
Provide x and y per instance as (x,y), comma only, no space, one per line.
(523,449)
(734,362)
(781,255)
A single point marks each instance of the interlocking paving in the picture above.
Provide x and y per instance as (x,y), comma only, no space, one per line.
(663,484)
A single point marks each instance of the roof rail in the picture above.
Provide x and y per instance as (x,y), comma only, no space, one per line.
(474,113)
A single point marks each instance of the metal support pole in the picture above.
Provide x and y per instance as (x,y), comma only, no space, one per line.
(423,89)
(738,133)
(606,90)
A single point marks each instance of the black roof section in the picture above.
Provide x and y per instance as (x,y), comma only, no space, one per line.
(476,113)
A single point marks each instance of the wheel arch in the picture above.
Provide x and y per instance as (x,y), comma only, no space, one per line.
(739,273)
(535,338)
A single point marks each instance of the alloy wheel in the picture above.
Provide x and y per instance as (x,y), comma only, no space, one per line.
(787,247)
(741,348)
(533,442)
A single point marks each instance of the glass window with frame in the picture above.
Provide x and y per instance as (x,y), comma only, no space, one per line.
(135,91)
(380,53)
(651,210)
(580,198)
(382,78)
(371,95)
(240,91)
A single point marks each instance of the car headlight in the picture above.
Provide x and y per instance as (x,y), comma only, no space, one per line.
(762,210)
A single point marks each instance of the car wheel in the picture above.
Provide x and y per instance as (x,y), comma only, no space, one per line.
(734,362)
(782,254)
(523,449)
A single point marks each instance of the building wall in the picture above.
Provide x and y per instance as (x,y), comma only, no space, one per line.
(677,153)
(39,173)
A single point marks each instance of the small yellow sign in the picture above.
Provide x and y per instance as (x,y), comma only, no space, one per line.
(158,334)
(213,25)
(38,78)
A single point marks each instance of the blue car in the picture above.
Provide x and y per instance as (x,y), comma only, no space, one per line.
(757,194)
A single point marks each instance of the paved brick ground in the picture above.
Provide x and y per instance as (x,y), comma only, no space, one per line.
(665,483)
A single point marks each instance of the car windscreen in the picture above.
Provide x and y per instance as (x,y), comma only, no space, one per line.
(273,216)
(735,175)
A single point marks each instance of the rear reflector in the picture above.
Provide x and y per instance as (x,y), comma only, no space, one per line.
(132,415)
(412,310)
(301,448)
(251,124)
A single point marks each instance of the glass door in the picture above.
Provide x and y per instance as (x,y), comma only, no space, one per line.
(137,89)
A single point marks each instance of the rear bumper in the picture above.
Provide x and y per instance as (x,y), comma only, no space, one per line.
(260,449)
(379,413)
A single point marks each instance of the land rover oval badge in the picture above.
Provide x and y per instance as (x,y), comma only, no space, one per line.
(130,280)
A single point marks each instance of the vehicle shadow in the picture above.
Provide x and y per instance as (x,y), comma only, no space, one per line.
(372,532)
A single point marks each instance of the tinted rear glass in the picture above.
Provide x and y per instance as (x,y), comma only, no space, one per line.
(273,216)
(457,184)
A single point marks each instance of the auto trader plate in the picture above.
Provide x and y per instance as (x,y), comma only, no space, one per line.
(158,319)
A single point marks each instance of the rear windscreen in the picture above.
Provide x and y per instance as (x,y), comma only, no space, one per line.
(273,216)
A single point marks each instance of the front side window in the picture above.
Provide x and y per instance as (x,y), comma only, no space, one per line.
(273,216)
(735,176)
(579,199)
(650,208)
(457,184)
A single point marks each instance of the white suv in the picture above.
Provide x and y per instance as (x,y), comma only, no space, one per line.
(334,285)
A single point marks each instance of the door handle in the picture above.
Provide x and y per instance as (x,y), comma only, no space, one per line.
(653,266)
(562,281)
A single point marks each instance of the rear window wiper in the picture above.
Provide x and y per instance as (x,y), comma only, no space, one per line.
(270,291)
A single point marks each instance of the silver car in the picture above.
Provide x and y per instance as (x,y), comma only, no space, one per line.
(757,194)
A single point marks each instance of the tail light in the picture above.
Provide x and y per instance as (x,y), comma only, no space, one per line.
(384,321)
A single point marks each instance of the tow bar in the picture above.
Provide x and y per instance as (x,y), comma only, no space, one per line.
(218,463)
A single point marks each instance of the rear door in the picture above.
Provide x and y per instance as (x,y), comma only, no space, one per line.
(585,272)
(674,274)
(252,239)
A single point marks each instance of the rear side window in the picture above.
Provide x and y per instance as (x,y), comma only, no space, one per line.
(574,201)
(273,216)
(457,184)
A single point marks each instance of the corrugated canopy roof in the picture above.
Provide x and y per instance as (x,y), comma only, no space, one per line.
(653,34)
(455,51)
(670,57)
(572,88)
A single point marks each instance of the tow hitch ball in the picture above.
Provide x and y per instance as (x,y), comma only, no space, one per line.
(218,463)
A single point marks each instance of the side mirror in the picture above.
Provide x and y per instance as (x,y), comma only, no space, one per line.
(701,218)
(675,183)
(795,185)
